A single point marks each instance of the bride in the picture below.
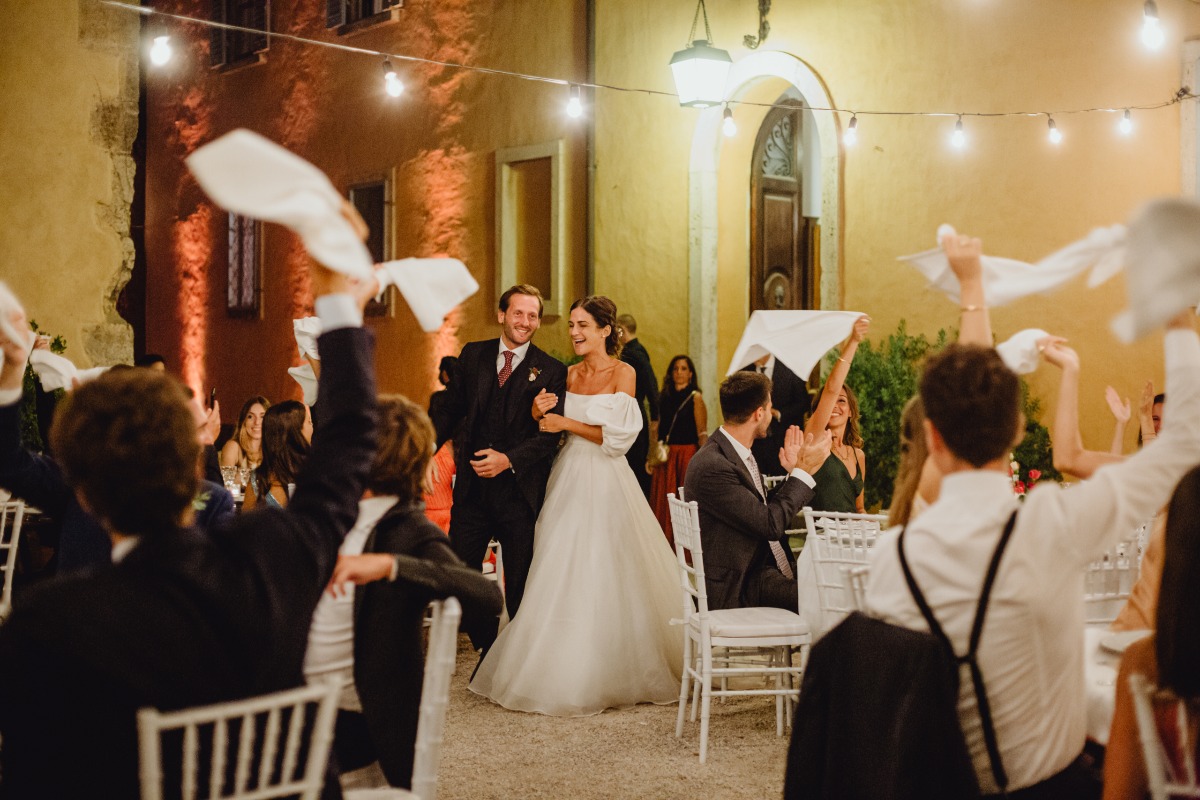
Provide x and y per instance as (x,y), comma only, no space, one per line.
(594,627)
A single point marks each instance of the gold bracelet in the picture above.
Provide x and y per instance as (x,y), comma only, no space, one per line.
(844,361)
(972,308)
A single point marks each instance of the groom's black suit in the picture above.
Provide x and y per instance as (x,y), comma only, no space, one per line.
(504,507)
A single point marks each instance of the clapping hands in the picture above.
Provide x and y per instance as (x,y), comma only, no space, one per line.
(1121,410)
(806,451)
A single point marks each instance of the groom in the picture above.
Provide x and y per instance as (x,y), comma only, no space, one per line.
(503,465)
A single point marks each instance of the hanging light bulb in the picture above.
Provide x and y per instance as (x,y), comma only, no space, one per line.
(850,137)
(728,126)
(1125,126)
(160,51)
(959,137)
(700,70)
(1152,32)
(1055,133)
(391,81)
(575,104)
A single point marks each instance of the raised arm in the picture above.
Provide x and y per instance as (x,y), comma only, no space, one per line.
(837,377)
(1146,414)
(1069,452)
(1121,414)
(964,254)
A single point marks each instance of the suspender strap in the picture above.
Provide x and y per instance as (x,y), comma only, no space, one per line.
(970,659)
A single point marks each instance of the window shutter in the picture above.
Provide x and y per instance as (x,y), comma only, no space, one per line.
(386,4)
(335,13)
(259,19)
(216,36)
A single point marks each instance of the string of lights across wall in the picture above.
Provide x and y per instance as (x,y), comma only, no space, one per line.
(700,71)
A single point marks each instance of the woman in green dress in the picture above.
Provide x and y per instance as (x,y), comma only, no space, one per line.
(840,478)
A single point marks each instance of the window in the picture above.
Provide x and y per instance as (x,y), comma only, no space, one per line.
(243,297)
(339,13)
(230,48)
(373,202)
(530,218)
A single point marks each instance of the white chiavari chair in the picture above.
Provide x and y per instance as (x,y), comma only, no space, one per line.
(12,516)
(838,540)
(1170,773)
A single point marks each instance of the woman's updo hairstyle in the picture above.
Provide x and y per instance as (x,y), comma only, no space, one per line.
(604,311)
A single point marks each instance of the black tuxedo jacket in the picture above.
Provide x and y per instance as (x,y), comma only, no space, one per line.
(388,622)
(633,354)
(789,396)
(185,618)
(530,451)
(735,525)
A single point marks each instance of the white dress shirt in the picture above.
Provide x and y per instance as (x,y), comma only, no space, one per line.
(768,368)
(1031,650)
(518,356)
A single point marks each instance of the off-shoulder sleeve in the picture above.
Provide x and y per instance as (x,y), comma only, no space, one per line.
(618,415)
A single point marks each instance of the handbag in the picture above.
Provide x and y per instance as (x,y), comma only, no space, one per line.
(660,449)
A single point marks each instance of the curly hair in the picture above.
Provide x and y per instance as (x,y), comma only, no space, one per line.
(604,312)
(127,442)
(284,447)
(406,445)
(973,400)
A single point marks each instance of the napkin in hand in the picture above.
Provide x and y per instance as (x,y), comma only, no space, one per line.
(797,338)
(1005,279)
(306,330)
(56,372)
(248,174)
(432,287)
(307,379)
(1162,266)
(1020,352)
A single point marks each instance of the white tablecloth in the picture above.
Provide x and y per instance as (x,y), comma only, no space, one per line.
(1100,681)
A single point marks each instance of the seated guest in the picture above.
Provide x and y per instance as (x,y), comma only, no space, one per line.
(286,436)
(1170,659)
(244,448)
(840,479)
(182,619)
(1031,651)
(372,640)
(742,526)
(789,402)
(909,493)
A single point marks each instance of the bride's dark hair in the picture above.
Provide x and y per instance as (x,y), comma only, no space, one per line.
(604,311)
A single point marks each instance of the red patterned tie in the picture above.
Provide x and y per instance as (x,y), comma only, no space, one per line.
(506,370)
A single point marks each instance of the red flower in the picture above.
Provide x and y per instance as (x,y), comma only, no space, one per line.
(1019,487)
(1034,474)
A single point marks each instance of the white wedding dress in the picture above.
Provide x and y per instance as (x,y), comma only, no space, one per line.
(593,631)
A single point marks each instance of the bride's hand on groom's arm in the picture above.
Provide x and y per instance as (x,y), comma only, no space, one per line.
(553,423)
(543,403)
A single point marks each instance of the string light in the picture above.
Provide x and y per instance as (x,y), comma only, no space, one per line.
(1055,133)
(575,104)
(160,51)
(959,137)
(1152,32)
(1125,126)
(391,81)
(850,137)
(728,126)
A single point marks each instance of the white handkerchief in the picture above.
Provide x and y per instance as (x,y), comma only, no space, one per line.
(432,287)
(797,338)
(307,379)
(1162,264)
(247,174)
(8,304)
(307,329)
(1020,352)
(1005,279)
(56,372)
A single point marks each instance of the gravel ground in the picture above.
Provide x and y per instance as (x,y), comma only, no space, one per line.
(491,752)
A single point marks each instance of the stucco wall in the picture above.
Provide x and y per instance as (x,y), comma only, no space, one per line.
(69,79)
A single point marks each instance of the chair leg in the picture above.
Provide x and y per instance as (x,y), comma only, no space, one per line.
(705,700)
(683,683)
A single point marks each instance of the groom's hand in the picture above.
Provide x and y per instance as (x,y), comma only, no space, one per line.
(489,463)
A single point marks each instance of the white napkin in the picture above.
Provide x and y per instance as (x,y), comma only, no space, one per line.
(1005,279)
(306,330)
(797,338)
(307,379)
(1162,266)
(56,372)
(432,287)
(248,174)
(1020,352)
(8,304)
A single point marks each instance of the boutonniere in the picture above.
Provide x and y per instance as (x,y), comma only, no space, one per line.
(200,501)
(533,374)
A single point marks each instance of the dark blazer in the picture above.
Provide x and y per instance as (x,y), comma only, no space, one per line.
(789,396)
(389,664)
(633,354)
(735,525)
(185,618)
(529,450)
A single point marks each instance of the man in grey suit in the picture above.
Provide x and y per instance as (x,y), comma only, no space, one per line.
(746,558)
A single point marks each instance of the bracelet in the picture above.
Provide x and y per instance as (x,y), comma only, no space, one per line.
(972,308)
(844,361)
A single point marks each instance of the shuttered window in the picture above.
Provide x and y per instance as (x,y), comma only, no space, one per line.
(233,47)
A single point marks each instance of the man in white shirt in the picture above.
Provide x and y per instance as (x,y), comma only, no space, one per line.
(1031,650)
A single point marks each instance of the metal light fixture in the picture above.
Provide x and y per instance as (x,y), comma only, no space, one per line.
(700,69)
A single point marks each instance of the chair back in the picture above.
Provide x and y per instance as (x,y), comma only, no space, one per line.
(1107,584)
(435,695)
(244,735)
(839,540)
(685,523)
(857,578)
(1170,771)
(12,515)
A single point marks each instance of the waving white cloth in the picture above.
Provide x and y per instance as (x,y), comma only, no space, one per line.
(1020,352)
(1005,279)
(56,372)
(306,330)
(8,304)
(617,414)
(1162,266)
(247,174)
(307,379)
(432,287)
(797,338)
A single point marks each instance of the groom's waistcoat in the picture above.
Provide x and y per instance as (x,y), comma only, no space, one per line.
(492,427)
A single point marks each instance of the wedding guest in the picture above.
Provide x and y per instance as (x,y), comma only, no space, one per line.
(634,354)
(439,499)
(371,637)
(789,403)
(244,448)
(682,410)
(1031,651)
(840,480)
(1121,414)
(182,619)
(909,496)
(1169,660)
(1150,413)
(286,435)
(1067,442)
